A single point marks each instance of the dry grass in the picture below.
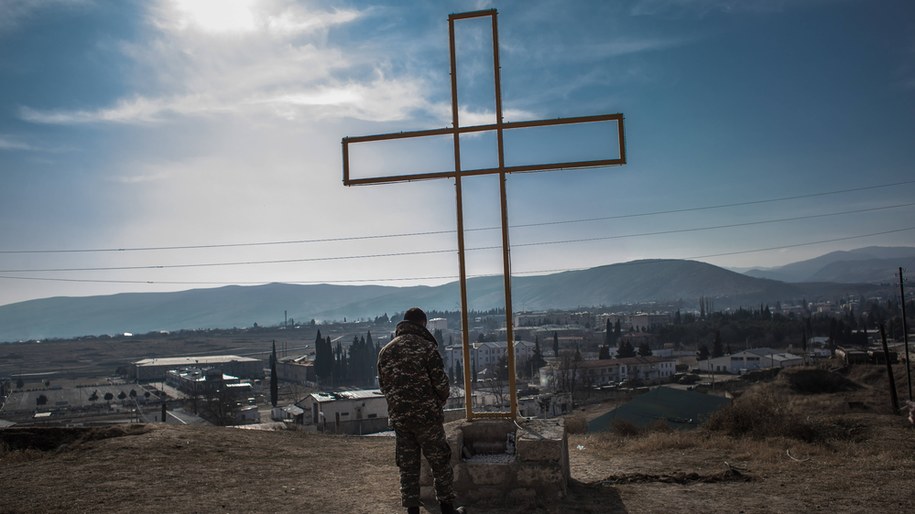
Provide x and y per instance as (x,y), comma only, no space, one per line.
(576,423)
(859,461)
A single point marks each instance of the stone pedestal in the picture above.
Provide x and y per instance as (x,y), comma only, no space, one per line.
(498,462)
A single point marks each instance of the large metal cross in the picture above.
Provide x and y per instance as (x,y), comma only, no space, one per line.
(455,131)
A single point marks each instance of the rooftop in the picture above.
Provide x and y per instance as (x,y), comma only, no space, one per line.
(358,394)
(191,360)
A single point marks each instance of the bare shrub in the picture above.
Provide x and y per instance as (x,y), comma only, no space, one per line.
(817,381)
(666,440)
(624,428)
(659,426)
(760,416)
(765,415)
(576,423)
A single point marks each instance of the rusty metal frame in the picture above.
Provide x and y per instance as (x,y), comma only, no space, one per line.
(485,171)
(500,126)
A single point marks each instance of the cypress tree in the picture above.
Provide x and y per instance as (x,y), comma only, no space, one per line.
(625,349)
(717,348)
(274,386)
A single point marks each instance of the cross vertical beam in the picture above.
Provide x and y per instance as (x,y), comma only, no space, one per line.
(462,264)
(502,170)
(503,203)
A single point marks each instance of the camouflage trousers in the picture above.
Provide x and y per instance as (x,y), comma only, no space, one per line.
(412,443)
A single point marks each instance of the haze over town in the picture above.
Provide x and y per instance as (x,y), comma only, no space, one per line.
(170,145)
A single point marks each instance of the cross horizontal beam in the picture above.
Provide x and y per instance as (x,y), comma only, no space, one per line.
(618,118)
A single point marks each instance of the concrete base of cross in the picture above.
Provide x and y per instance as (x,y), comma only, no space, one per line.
(498,461)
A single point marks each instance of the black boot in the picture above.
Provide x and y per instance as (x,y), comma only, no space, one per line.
(448,508)
(412,510)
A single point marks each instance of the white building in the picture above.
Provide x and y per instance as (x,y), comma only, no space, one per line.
(649,370)
(754,358)
(346,412)
(485,356)
(437,324)
(299,369)
(154,370)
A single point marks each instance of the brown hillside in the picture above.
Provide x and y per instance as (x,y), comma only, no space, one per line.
(861,461)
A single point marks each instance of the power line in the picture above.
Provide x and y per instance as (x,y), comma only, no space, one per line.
(803,244)
(446,277)
(240,263)
(439,232)
(450,250)
(238,283)
(714,227)
(238,245)
(719,206)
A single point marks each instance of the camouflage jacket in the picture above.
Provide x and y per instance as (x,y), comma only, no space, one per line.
(412,377)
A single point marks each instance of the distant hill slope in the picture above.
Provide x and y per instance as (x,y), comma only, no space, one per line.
(873,264)
(635,282)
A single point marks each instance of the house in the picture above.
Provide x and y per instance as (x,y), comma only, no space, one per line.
(437,324)
(852,355)
(754,358)
(485,356)
(247,415)
(289,414)
(299,369)
(154,370)
(650,370)
(545,405)
(346,412)
(207,382)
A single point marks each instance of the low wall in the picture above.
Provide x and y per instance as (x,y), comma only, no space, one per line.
(503,462)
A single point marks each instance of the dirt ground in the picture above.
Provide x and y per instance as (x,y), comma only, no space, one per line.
(166,468)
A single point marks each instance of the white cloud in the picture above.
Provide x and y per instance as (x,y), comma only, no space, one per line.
(16,13)
(228,17)
(278,66)
(210,15)
(625,46)
(293,21)
(135,110)
(381,100)
(149,174)
(14,143)
(7,143)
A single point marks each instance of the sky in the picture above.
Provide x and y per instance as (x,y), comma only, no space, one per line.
(167,145)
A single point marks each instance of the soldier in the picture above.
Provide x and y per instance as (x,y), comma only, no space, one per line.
(412,378)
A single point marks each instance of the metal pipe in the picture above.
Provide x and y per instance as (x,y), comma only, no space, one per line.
(531,168)
(465,324)
(509,125)
(506,248)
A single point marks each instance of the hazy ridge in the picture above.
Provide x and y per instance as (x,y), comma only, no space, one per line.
(637,282)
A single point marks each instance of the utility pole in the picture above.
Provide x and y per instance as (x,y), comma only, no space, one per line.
(905,334)
(894,399)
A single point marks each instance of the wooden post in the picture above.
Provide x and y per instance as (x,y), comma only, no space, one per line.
(905,334)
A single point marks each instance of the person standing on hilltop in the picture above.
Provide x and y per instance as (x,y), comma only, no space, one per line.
(412,377)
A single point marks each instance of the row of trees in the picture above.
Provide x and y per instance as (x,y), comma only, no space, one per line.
(42,399)
(354,365)
(763,327)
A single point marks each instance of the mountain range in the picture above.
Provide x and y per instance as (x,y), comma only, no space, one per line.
(874,264)
(868,271)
